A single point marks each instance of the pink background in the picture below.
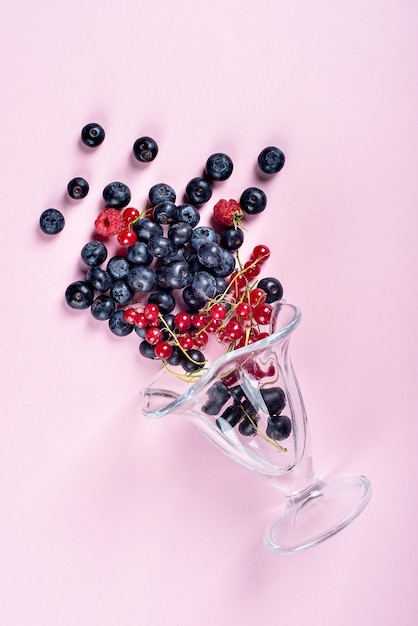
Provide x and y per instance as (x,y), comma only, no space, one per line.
(108,518)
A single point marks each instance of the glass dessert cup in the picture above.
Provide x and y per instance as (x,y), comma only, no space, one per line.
(248,403)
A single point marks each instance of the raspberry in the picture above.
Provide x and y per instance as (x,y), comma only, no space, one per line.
(109,222)
(227,213)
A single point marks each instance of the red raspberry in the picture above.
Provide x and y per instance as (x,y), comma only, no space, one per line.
(227,213)
(109,222)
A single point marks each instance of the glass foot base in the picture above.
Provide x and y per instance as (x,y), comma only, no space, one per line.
(318,514)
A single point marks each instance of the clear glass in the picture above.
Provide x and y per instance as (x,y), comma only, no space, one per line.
(260,379)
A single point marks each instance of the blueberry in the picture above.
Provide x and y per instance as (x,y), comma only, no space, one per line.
(247,427)
(142,279)
(79,294)
(138,254)
(231,238)
(165,212)
(92,135)
(271,160)
(99,278)
(203,285)
(141,332)
(279,427)
(118,325)
(145,149)
(160,192)
(160,246)
(201,235)
(253,200)
(51,222)
(118,267)
(176,357)
(78,188)
(147,350)
(218,394)
(272,287)
(180,233)
(116,195)
(102,307)
(194,361)
(175,275)
(145,229)
(94,253)
(178,254)
(219,166)
(229,418)
(210,255)
(195,303)
(194,264)
(189,214)
(275,399)
(227,265)
(198,190)
(221,285)
(120,292)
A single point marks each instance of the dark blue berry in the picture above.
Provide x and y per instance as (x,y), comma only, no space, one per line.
(118,267)
(227,265)
(92,135)
(221,285)
(142,279)
(178,254)
(78,188)
(94,253)
(195,303)
(147,350)
(194,361)
(272,287)
(253,200)
(51,222)
(79,294)
(120,292)
(160,246)
(229,418)
(201,235)
(218,394)
(203,285)
(275,399)
(180,233)
(146,228)
(219,166)
(189,214)
(165,212)
(271,160)
(118,325)
(160,192)
(231,238)
(99,278)
(210,255)
(145,149)
(116,195)
(138,254)
(175,275)
(247,427)
(198,190)
(279,427)
(102,307)
(176,357)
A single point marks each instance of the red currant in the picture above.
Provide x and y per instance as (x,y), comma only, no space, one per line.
(151,312)
(126,237)
(163,350)
(200,339)
(131,315)
(243,310)
(182,321)
(218,312)
(252,269)
(234,330)
(213,326)
(262,313)
(257,296)
(199,320)
(129,216)
(260,253)
(238,282)
(153,335)
(186,341)
(141,321)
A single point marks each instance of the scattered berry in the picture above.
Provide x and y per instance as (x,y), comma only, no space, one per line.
(253,201)
(109,222)
(79,294)
(78,188)
(198,190)
(92,135)
(227,213)
(271,160)
(145,149)
(219,166)
(116,195)
(51,221)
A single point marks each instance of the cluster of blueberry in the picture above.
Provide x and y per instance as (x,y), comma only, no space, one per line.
(175,262)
